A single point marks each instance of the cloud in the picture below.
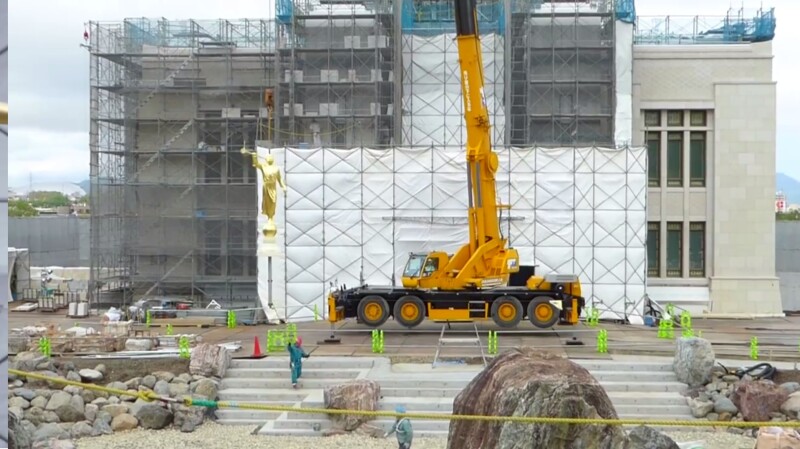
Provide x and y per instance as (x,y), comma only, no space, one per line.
(48,156)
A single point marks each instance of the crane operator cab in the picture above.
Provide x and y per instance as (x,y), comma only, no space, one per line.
(423,269)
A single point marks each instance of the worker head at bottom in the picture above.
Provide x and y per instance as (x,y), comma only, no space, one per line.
(402,429)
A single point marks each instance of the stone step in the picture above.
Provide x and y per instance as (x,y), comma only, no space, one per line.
(282,361)
(643,387)
(246,414)
(256,422)
(386,424)
(285,372)
(265,396)
(631,398)
(633,376)
(615,365)
(271,384)
(420,392)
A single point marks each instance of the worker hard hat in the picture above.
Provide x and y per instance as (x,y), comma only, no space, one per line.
(400,409)
(299,341)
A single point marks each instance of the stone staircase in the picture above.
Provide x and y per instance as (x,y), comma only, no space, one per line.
(637,390)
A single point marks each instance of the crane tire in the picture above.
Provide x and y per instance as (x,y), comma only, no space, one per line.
(409,311)
(373,310)
(542,314)
(507,311)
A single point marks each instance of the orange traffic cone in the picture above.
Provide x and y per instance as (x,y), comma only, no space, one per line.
(257,349)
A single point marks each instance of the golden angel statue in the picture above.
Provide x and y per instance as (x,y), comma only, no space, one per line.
(271,177)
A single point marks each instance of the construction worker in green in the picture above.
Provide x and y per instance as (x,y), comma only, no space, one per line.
(296,356)
(402,427)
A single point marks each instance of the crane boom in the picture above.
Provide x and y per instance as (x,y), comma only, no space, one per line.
(482,162)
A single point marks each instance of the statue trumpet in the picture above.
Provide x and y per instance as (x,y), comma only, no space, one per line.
(246,151)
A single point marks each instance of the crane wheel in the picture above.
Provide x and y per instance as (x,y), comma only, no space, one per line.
(409,311)
(373,310)
(542,314)
(507,311)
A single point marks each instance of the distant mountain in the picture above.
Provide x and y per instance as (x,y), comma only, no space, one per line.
(85,185)
(789,186)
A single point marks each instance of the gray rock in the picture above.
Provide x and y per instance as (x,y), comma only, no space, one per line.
(27,361)
(129,397)
(77,402)
(70,413)
(25,393)
(90,411)
(115,409)
(154,416)
(700,408)
(19,435)
(133,384)
(113,400)
(712,416)
(88,396)
(730,378)
(791,407)
(188,418)
(161,387)
(100,402)
(71,389)
(209,360)
(49,430)
(80,430)
(178,389)
(124,421)
(149,381)
(134,408)
(73,376)
(643,437)
(185,377)
(694,360)
(58,399)
(102,369)
(35,415)
(91,375)
(725,405)
(50,416)
(20,402)
(117,386)
(17,411)
(789,387)
(45,393)
(103,416)
(138,344)
(100,427)
(166,376)
(206,388)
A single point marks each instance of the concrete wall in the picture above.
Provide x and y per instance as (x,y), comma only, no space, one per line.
(734,84)
(787,262)
(52,241)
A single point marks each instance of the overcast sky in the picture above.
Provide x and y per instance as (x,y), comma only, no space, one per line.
(49,74)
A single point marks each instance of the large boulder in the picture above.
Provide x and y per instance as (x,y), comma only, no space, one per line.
(643,437)
(525,382)
(757,399)
(362,394)
(27,361)
(209,360)
(187,418)
(694,361)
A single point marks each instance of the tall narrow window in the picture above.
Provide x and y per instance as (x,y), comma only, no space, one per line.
(653,159)
(675,159)
(697,159)
(697,249)
(674,249)
(653,247)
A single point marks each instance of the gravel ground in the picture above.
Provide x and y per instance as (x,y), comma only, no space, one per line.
(213,436)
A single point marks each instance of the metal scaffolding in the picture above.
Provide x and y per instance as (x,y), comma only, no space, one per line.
(172,103)
(336,75)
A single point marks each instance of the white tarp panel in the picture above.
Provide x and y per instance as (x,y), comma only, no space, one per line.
(623,67)
(356,214)
(432,102)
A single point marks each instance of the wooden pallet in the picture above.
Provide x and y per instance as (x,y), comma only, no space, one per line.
(184,322)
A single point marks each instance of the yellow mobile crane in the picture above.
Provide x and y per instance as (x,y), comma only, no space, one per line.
(483,280)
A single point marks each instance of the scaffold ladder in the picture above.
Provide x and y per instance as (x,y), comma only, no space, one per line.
(459,341)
